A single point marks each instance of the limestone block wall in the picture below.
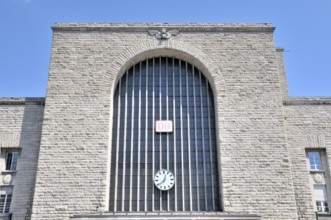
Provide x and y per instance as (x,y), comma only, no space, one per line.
(241,63)
(20,130)
(308,126)
(282,72)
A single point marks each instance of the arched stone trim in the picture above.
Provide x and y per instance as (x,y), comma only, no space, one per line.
(134,98)
(177,49)
(183,51)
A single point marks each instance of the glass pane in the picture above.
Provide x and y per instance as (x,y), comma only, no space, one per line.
(9,160)
(2,203)
(315,160)
(9,196)
(14,161)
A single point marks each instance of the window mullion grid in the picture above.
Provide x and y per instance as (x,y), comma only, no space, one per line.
(315,156)
(188,138)
(146,136)
(153,136)
(181,134)
(203,143)
(14,161)
(2,204)
(8,203)
(125,140)
(190,146)
(174,124)
(322,205)
(117,143)
(196,144)
(132,132)
(160,111)
(9,157)
(5,203)
(139,139)
(318,161)
(210,147)
(167,112)
(11,161)
(314,161)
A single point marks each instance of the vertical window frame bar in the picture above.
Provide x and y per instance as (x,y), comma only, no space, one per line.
(153,136)
(167,112)
(146,137)
(210,147)
(117,142)
(196,144)
(132,132)
(188,138)
(160,136)
(174,124)
(181,133)
(125,141)
(139,139)
(203,143)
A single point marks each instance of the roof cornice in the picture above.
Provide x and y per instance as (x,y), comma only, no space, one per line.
(308,101)
(183,27)
(22,101)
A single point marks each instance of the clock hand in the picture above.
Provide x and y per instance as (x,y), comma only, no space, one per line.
(164,179)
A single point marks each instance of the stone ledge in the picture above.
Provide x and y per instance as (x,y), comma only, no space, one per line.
(5,216)
(22,101)
(167,215)
(323,215)
(188,27)
(308,101)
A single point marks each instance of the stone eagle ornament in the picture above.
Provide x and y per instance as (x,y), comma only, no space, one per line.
(163,34)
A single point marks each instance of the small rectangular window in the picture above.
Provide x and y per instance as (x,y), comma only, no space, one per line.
(11,160)
(5,200)
(315,162)
(321,198)
(322,206)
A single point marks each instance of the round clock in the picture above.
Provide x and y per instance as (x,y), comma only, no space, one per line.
(164,180)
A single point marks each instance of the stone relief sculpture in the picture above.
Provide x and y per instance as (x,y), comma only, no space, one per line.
(163,34)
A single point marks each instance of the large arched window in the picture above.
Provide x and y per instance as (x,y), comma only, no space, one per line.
(167,89)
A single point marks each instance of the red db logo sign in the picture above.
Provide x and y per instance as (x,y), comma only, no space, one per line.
(163,126)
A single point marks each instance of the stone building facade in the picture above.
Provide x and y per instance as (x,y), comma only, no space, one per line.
(91,150)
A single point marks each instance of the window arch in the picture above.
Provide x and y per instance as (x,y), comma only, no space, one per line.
(164,88)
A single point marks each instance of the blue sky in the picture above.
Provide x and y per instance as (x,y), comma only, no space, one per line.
(303,29)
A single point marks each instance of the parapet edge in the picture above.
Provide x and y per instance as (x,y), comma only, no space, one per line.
(22,100)
(183,27)
(308,101)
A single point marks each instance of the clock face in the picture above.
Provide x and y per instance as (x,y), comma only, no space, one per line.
(164,180)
